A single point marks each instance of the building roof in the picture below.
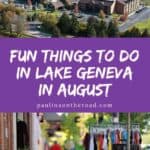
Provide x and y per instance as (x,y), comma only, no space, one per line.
(57,4)
(124,1)
(52,117)
(108,2)
(70,2)
(101,2)
(85,1)
(121,1)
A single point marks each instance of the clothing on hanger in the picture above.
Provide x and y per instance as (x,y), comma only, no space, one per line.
(101,139)
(105,143)
(86,141)
(95,143)
(91,142)
(22,135)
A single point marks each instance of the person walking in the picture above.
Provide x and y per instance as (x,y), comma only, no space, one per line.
(55,146)
(69,145)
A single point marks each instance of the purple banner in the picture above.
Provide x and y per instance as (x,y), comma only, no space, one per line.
(74,75)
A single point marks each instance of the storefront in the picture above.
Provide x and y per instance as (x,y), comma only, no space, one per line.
(112,137)
(20,131)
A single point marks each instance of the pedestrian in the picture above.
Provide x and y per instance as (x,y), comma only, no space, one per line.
(69,145)
(55,146)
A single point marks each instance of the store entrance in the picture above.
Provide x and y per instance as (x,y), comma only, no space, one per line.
(22,129)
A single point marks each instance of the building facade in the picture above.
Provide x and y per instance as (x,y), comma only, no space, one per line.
(109,6)
(20,131)
(126,6)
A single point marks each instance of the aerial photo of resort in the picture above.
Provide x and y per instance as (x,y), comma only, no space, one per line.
(74,18)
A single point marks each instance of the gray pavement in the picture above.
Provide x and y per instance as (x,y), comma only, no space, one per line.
(37,34)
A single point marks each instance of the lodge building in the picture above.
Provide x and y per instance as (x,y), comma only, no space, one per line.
(109,6)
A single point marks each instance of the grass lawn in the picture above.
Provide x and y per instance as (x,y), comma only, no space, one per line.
(116,16)
(146,138)
(32,12)
(143,25)
(56,13)
(146,2)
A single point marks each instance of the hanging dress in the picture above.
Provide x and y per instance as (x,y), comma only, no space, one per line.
(109,142)
(91,146)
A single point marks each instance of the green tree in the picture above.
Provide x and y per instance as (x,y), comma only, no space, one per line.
(92,21)
(100,118)
(141,118)
(12,18)
(42,16)
(145,33)
(91,31)
(10,7)
(91,122)
(56,32)
(7,19)
(112,29)
(74,25)
(126,34)
(101,29)
(19,11)
(82,29)
(64,24)
(20,24)
(48,23)
(51,18)
(134,32)
(70,126)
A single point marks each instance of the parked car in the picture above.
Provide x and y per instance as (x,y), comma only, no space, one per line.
(147,148)
(80,16)
(141,9)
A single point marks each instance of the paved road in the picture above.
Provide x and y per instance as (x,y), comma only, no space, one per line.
(135,18)
(32,29)
(37,34)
